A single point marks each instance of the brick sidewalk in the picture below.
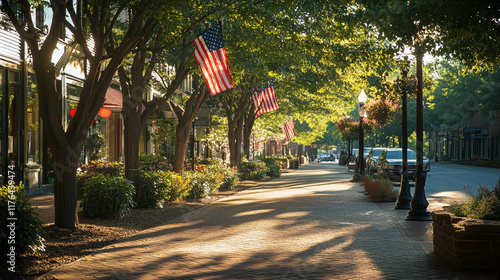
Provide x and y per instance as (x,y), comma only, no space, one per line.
(312,223)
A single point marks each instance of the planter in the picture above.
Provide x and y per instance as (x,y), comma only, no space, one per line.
(466,244)
(293,164)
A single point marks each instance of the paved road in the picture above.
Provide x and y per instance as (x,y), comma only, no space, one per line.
(450,182)
(312,223)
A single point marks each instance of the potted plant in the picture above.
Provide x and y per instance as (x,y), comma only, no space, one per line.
(466,235)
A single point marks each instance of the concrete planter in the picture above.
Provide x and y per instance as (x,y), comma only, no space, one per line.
(466,244)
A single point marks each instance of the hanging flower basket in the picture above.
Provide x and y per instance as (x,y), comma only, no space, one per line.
(380,112)
(349,128)
(344,124)
(409,84)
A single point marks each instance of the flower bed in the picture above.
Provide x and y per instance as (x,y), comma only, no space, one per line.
(465,243)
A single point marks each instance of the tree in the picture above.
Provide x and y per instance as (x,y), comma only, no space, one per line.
(307,49)
(185,121)
(468,31)
(166,46)
(236,105)
(133,91)
(104,55)
(471,92)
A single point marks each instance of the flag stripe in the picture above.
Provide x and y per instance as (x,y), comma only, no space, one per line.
(289,130)
(200,55)
(265,101)
(269,100)
(211,56)
(222,62)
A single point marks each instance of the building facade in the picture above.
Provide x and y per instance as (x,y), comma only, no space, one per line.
(24,155)
(476,139)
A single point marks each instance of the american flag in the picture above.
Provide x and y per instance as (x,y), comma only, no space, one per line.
(289,130)
(265,101)
(211,55)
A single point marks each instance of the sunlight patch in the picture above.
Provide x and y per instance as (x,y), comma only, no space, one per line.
(293,215)
(256,212)
(448,194)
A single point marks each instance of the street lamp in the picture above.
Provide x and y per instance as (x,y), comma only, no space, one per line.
(362,114)
(419,202)
(404,197)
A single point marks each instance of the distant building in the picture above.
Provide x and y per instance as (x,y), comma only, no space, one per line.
(478,138)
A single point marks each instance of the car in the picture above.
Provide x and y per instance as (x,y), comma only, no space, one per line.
(372,159)
(330,157)
(322,157)
(390,164)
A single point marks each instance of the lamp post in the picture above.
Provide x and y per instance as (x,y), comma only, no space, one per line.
(404,197)
(362,114)
(419,202)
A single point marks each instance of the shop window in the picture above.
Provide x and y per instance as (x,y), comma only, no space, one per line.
(3,126)
(14,117)
(73,93)
(9,121)
(32,121)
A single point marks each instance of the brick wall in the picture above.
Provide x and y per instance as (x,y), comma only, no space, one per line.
(466,244)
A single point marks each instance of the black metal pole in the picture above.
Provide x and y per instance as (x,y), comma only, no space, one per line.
(192,149)
(361,147)
(404,197)
(419,202)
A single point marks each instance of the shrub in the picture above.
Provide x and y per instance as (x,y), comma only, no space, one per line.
(180,186)
(211,161)
(96,146)
(357,177)
(269,160)
(28,228)
(229,176)
(282,161)
(485,205)
(149,162)
(153,189)
(102,167)
(107,197)
(379,189)
(157,187)
(273,170)
(273,166)
(204,182)
(81,181)
(253,170)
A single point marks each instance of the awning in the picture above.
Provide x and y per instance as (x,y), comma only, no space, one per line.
(114,100)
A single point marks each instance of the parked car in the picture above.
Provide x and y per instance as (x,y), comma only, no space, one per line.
(321,157)
(330,157)
(326,157)
(390,164)
(372,160)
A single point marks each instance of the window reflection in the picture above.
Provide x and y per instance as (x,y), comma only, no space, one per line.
(32,121)
(72,100)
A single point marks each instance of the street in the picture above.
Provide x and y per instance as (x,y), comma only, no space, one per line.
(447,183)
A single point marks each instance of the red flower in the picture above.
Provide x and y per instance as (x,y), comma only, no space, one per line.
(380,112)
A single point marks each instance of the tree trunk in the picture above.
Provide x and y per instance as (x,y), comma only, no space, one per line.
(181,143)
(247,132)
(186,119)
(132,133)
(235,136)
(65,197)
